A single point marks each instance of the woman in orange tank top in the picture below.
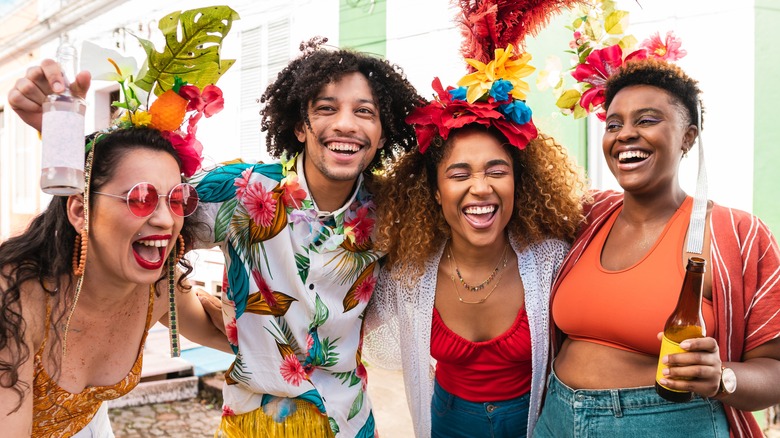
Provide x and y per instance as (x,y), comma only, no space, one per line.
(629,248)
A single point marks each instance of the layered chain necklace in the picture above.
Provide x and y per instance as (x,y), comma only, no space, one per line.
(499,270)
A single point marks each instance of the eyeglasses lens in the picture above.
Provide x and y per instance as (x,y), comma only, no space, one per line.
(142,199)
(183,200)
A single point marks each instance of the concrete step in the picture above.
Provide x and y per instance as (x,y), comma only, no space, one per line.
(158,391)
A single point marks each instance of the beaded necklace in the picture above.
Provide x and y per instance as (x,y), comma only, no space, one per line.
(501,265)
(454,267)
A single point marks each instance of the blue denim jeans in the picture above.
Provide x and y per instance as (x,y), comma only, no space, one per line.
(629,412)
(453,417)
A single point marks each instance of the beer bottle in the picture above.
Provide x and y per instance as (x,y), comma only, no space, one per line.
(685,322)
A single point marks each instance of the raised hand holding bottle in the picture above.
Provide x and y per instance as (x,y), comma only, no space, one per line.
(62,132)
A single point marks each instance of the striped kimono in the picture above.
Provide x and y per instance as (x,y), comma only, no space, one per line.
(745,262)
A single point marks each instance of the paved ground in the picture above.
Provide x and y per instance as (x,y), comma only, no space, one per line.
(199,417)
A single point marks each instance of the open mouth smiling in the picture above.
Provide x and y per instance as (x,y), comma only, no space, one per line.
(149,252)
(635,156)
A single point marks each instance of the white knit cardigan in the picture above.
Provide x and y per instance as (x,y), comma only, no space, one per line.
(398,320)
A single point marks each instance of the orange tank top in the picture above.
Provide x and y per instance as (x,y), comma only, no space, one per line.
(626,309)
(59,413)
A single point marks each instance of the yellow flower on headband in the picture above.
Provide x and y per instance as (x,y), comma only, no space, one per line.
(141,118)
(506,66)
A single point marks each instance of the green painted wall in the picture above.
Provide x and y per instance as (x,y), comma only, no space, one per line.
(363,26)
(766,178)
(554,41)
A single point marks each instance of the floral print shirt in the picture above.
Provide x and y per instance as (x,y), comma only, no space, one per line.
(298,281)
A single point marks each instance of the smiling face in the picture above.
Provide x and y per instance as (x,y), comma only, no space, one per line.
(124,247)
(345,132)
(475,188)
(645,136)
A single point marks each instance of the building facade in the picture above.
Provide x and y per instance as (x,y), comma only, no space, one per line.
(731,50)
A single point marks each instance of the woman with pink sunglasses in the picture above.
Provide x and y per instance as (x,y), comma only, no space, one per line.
(77,305)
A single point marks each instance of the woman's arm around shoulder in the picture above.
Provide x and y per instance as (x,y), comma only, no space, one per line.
(200,319)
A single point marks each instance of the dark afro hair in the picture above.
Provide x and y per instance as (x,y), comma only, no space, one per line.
(286,100)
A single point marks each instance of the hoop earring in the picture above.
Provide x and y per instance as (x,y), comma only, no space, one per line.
(80,253)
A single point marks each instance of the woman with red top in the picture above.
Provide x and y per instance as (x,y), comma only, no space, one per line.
(475,225)
(622,279)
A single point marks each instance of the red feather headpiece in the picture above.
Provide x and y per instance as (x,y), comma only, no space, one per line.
(493,93)
(487,25)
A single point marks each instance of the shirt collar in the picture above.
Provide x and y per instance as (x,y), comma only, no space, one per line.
(321,214)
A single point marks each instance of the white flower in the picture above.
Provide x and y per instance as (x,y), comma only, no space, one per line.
(106,64)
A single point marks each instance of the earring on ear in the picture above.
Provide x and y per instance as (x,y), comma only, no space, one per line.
(685,152)
(80,253)
(180,253)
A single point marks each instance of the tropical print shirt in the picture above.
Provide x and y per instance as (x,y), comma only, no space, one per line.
(298,281)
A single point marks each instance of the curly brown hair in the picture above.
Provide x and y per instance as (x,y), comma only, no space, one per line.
(411,225)
(286,100)
(661,74)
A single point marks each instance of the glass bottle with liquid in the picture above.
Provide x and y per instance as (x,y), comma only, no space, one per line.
(62,132)
(685,322)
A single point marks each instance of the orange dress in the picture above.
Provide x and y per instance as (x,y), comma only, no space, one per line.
(59,413)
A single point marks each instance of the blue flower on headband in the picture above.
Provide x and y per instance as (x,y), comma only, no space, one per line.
(517,111)
(458,93)
(501,89)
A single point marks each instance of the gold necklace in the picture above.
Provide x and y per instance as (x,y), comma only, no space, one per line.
(455,286)
(499,266)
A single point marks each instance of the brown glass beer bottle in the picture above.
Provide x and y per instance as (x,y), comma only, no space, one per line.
(685,322)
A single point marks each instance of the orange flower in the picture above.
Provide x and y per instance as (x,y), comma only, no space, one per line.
(168,111)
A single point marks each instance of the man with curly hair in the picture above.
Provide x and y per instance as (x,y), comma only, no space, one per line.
(296,238)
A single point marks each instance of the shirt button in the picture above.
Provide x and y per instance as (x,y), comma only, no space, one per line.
(490,408)
(311,286)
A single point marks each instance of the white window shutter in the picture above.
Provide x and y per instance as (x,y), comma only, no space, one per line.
(264,52)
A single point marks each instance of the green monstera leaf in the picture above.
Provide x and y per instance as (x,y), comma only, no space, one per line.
(193,39)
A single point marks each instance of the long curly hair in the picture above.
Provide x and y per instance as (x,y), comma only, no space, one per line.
(411,226)
(286,100)
(43,253)
(658,73)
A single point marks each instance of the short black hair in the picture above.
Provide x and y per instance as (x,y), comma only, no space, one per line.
(661,74)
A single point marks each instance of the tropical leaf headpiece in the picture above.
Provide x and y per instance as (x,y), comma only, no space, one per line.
(182,78)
